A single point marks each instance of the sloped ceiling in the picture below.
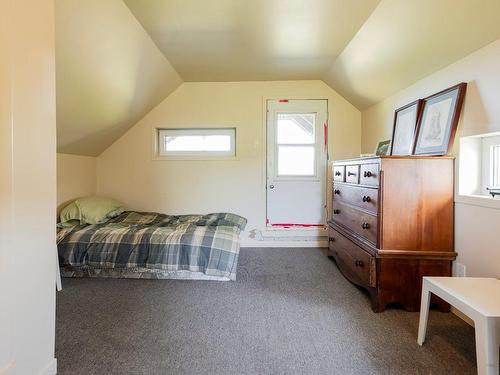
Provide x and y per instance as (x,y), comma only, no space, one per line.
(406,40)
(109,74)
(363,49)
(117,59)
(240,40)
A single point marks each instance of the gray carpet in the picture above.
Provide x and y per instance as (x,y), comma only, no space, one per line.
(289,312)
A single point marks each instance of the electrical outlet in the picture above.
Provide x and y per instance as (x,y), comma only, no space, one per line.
(458,269)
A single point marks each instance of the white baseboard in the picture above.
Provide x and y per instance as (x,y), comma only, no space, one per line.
(50,369)
(248,242)
(285,237)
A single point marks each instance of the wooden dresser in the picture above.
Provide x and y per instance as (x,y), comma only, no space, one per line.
(392,224)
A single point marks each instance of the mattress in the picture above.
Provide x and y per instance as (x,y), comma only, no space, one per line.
(155,246)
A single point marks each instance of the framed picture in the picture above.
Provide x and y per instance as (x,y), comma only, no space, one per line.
(383,148)
(438,122)
(405,124)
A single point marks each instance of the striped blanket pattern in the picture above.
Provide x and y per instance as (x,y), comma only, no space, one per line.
(206,244)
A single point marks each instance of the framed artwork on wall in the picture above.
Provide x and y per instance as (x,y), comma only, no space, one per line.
(438,122)
(405,124)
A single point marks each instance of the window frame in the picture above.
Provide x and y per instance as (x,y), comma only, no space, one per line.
(495,166)
(473,174)
(487,144)
(160,153)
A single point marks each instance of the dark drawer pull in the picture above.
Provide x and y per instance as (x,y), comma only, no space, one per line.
(331,239)
(366,198)
(336,212)
(365,225)
(359,263)
(337,173)
(336,191)
(368,174)
(351,174)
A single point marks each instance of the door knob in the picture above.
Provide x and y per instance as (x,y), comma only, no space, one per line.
(271,186)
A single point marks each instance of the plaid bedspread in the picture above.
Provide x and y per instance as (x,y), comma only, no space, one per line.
(136,240)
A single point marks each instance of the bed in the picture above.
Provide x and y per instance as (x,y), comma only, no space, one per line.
(154,246)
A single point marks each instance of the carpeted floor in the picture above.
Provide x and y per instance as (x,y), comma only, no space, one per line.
(289,312)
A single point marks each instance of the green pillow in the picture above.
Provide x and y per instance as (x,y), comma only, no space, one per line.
(91,210)
(70,215)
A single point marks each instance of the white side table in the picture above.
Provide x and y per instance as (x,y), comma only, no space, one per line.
(479,299)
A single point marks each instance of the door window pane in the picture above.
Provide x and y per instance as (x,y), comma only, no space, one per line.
(294,128)
(296,161)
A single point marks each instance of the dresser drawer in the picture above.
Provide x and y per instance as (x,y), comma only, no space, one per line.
(366,198)
(358,265)
(369,174)
(339,173)
(359,222)
(352,174)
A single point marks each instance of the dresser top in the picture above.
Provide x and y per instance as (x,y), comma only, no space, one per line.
(394,157)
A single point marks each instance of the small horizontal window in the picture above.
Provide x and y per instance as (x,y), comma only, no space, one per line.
(197,142)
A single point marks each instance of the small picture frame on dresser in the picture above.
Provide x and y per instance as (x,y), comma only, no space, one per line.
(382,148)
(405,124)
(438,122)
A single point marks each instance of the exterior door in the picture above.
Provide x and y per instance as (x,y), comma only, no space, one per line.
(296,162)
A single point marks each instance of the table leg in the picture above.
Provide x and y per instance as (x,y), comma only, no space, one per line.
(424,312)
(58,274)
(486,346)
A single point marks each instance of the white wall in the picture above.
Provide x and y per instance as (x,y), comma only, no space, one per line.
(6,312)
(27,187)
(476,239)
(76,177)
(475,225)
(127,172)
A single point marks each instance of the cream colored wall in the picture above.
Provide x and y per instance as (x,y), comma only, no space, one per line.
(76,177)
(127,172)
(481,113)
(27,187)
(475,226)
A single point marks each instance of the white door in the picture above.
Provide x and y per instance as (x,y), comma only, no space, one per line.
(296,162)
